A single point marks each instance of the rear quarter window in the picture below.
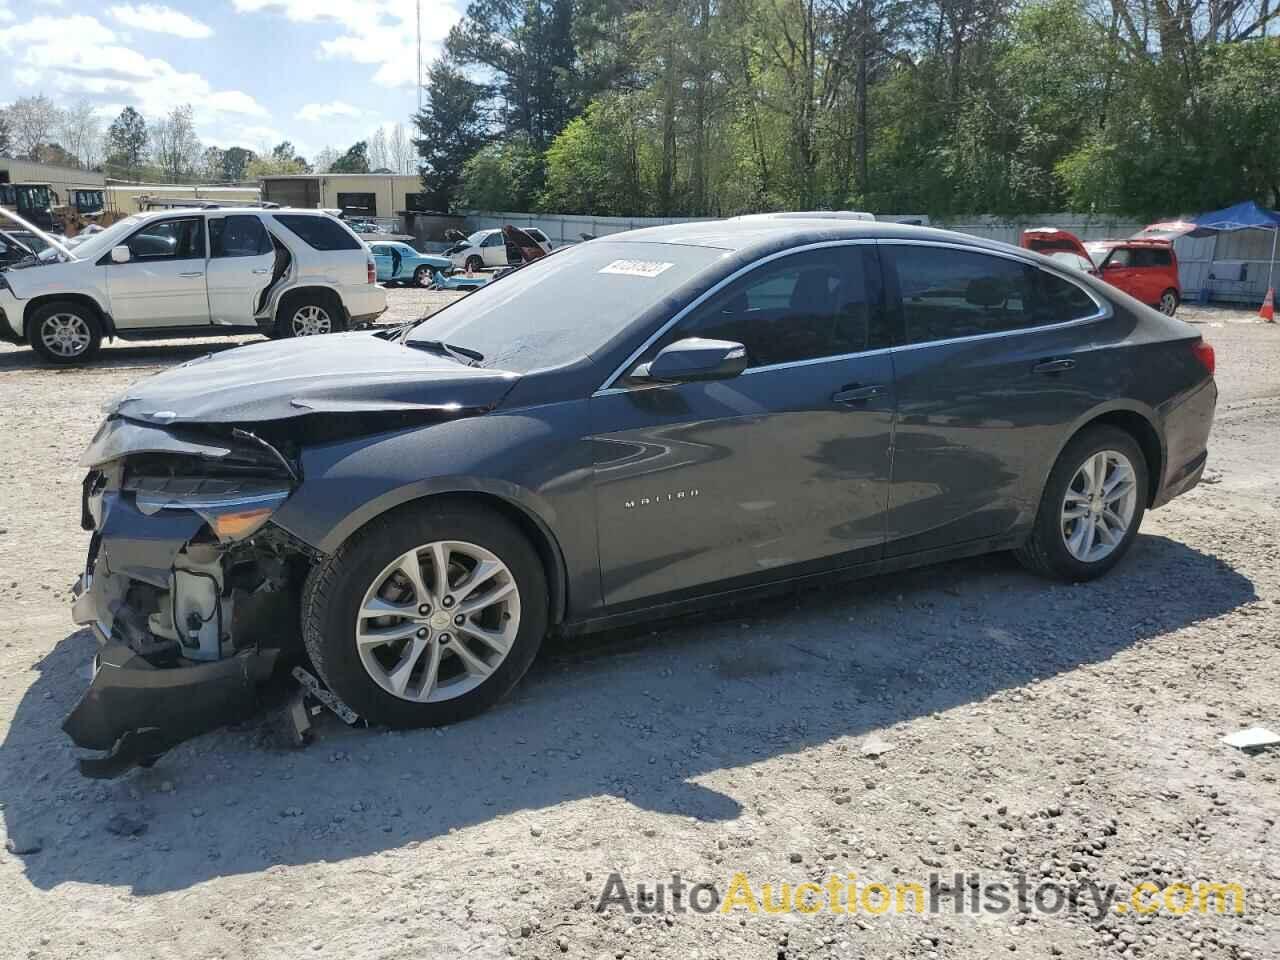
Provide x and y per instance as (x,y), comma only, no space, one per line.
(319,233)
(1151,258)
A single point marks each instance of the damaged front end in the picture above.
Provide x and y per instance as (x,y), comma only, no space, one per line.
(189,587)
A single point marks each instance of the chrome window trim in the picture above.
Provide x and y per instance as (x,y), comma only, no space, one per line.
(1104,308)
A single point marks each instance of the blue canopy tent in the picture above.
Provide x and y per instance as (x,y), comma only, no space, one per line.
(1242,216)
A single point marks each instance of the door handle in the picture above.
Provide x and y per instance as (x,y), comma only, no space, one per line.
(263,270)
(197,273)
(855,394)
(1053,366)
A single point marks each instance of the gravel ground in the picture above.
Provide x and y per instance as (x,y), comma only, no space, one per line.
(1061,732)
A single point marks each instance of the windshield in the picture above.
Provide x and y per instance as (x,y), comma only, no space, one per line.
(566,306)
(32,198)
(478,236)
(102,242)
(1073,260)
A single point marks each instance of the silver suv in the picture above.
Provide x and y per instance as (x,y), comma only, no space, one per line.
(192,273)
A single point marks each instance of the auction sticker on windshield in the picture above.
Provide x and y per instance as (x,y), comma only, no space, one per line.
(636,268)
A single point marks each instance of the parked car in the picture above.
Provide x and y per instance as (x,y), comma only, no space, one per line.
(488,248)
(13,249)
(1144,269)
(620,431)
(177,273)
(399,263)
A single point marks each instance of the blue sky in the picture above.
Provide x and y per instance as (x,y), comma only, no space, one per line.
(317,72)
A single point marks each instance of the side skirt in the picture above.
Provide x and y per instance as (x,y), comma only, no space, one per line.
(658,608)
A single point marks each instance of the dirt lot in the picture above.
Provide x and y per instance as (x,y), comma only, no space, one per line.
(1066,733)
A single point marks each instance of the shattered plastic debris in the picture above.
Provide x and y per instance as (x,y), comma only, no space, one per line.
(1255,738)
(874,746)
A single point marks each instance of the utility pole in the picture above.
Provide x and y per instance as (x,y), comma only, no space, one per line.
(418,80)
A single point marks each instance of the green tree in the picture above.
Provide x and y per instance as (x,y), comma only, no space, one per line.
(504,175)
(603,163)
(285,154)
(355,160)
(235,163)
(127,139)
(452,126)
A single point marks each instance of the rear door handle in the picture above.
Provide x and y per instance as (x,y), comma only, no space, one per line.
(858,394)
(1053,366)
(198,273)
(263,270)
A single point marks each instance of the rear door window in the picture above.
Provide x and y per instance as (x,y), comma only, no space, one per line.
(239,235)
(319,232)
(948,294)
(1151,258)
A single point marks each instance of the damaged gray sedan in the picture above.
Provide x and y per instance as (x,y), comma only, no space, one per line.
(620,431)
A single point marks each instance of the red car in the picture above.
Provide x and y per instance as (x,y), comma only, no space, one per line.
(1145,269)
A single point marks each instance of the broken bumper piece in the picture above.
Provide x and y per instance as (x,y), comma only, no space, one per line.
(136,711)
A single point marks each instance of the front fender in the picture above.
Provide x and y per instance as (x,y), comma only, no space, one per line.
(538,461)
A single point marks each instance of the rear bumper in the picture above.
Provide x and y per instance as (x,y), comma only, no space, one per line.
(1187,422)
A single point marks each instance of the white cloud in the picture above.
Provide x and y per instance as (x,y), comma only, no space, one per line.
(161,19)
(313,112)
(79,55)
(379,33)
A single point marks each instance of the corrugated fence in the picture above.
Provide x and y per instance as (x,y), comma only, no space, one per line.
(1230,267)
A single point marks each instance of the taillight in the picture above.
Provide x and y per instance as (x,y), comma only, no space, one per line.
(373,272)
(1204,353)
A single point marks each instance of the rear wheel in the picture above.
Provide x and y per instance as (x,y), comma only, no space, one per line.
(428,615)
(474,264)
(65,333)
(1091,508)
(1169,302)
(309,314)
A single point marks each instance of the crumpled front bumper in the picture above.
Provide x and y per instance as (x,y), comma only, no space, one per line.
(137,711)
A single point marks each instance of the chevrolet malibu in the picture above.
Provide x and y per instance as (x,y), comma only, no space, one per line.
(617,432)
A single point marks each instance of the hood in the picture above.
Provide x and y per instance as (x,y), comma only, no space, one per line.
(38,232)
(352,373)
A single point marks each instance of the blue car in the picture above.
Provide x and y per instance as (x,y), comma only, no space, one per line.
(400,263)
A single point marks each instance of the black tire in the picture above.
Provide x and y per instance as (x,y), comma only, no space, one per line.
(1169,302)
(474,264)
(422,276)
(335,588)
(1045,550)
(63,312)
(322,300)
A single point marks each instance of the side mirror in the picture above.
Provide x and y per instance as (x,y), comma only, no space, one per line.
(694,359)
(120,254)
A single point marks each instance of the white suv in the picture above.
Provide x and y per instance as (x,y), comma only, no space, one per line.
(199,273)
(488,248)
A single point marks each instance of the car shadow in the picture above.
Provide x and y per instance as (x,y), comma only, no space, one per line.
(122,354)
(643,715)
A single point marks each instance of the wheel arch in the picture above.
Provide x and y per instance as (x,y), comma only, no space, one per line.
(1136,422)
(286,296)
(82,299)
(507,503)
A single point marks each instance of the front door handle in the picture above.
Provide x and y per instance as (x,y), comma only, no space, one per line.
(855,394)
(263,270)
(197,273)
(1053,366)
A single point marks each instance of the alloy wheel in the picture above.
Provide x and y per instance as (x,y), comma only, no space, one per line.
(311,321)
(1099,505)
(1168,303)
(65,335)
(437,621)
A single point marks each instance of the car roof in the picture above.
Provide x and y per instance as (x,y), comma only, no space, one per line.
(187,211)
(781,233)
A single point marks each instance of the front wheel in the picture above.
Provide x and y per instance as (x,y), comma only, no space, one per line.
(1169,302)
(1091,508)
(65,333)
(428,615)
